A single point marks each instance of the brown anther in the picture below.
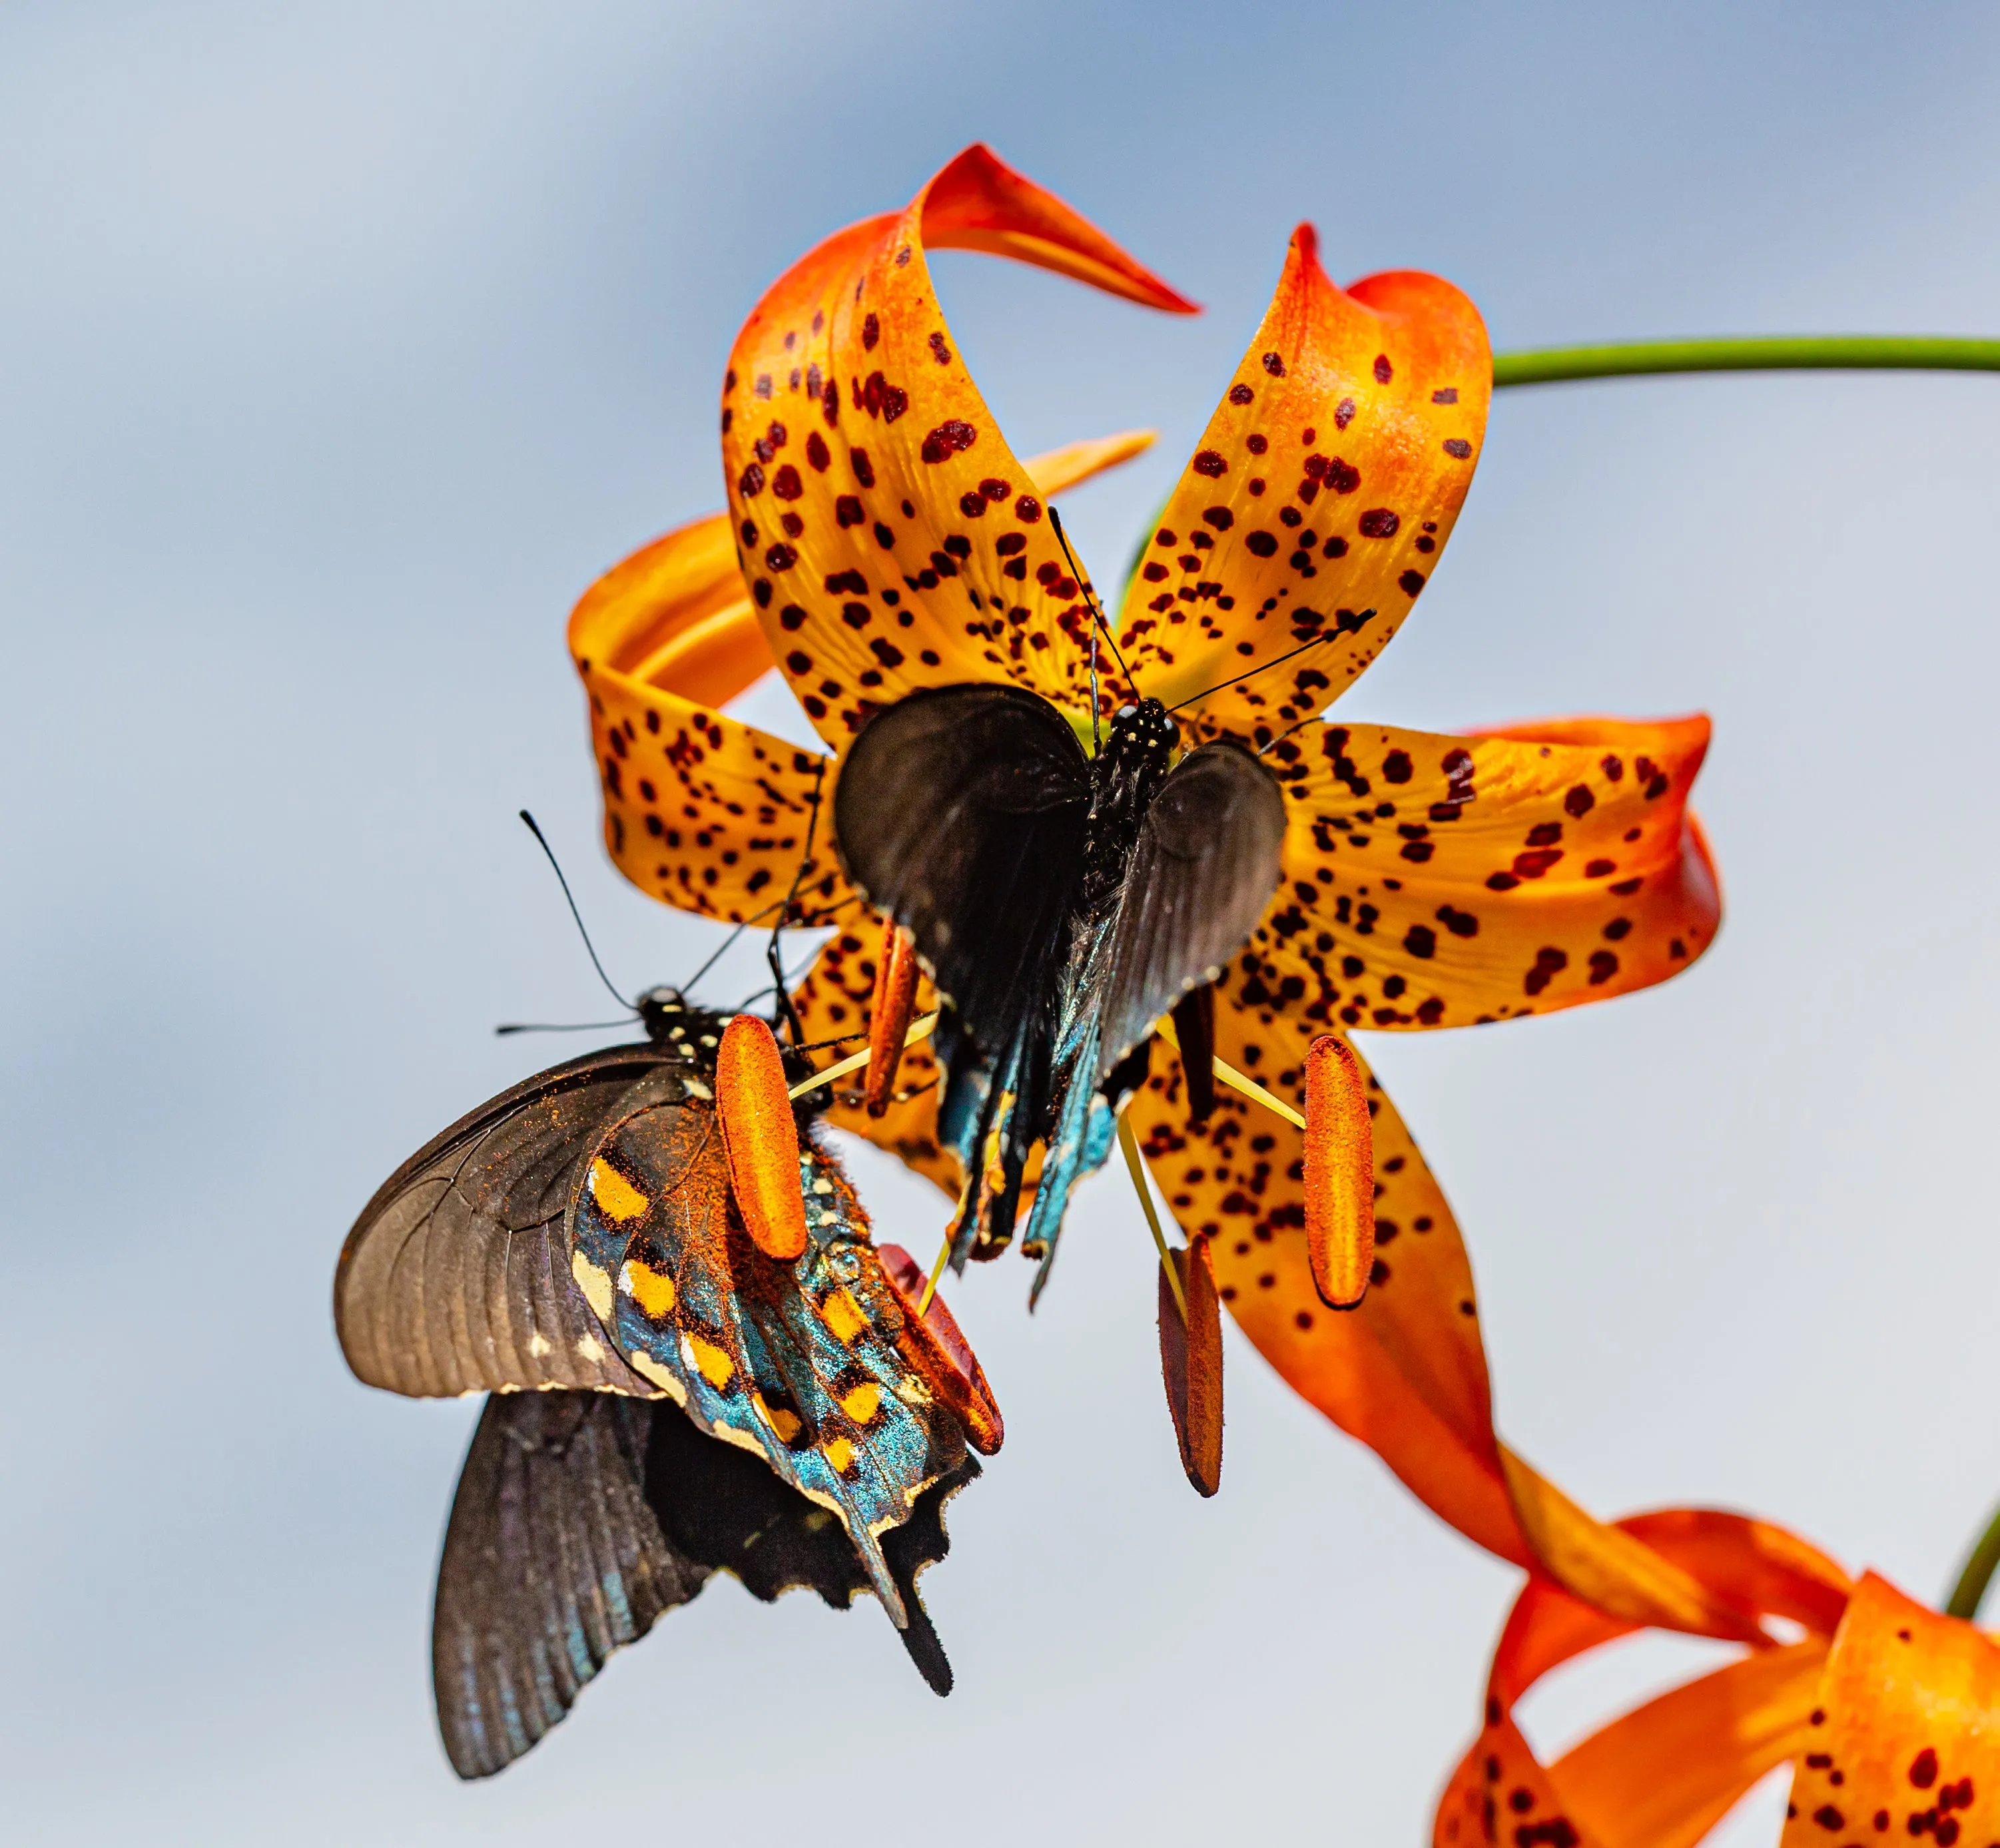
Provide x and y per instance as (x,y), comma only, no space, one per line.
(889,1017)
(1191,1362)
(1339,1173)
(760,1139)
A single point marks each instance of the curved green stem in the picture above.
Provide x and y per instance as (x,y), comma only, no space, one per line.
(1979,1565)
(1847,352)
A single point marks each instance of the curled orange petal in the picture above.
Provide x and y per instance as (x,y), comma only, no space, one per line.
(1439,881)
(890,538)
(1906,1726)
(700,811)
(1339,1173)
(1317,500)
(760,1138)
(889,1017)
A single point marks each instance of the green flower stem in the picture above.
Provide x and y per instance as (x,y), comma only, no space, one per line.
(1979,1564)
(1843,353)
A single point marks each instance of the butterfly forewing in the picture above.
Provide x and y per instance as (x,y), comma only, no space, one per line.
(1208,858)
(801,1360)
(455,1278)
(961,812)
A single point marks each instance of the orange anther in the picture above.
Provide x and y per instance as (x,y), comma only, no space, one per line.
(1340,1173)
(760,1138)
(1191,1362)
(889,1019)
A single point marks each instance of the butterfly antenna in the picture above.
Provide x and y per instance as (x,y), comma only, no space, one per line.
(1090,597)
(791,1013)
(1264,749)
(1096,731)
(542,841)
(1326,635)
(511,1026)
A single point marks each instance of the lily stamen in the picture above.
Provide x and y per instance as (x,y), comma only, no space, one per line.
(760,1138)
(1236,1081)
(1129,1143)
(1340,1174)
(889,1018)
(854,1061)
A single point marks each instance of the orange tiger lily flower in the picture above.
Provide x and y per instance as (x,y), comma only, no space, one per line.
(882,537)
(1889,1713)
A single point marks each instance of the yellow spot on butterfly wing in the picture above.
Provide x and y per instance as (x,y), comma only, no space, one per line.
(840,1453)
(712,1363)
(787,1424)
(653,1290)
(648,1368)
(595,1285)
(843,1314)
(862,1403)
(616,1196)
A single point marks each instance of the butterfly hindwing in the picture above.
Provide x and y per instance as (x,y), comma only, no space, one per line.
(581,1518)
(455,1277)
(808,1362)
(552,1559)
(719,1504)
(960,811)
(1207,859)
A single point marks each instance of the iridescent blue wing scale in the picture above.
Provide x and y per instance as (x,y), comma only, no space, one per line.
(807,1363)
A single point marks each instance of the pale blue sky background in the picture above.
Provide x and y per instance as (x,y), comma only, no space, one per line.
(340,346)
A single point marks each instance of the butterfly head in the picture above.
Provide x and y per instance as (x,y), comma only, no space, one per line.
(1141,741)
(669,1020)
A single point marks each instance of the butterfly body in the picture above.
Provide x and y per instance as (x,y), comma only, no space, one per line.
(1062,902)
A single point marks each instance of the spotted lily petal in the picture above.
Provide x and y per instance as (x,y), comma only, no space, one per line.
(1906,1727)
(890,538)
(1663,1774)
(833,1002)
(1434,880)
(1405,1372)
(1318,499)
(1661,1777)
(699,811)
